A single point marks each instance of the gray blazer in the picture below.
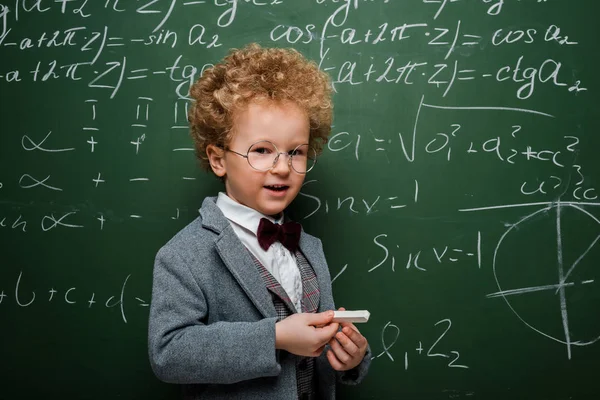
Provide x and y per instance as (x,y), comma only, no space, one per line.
(212,321)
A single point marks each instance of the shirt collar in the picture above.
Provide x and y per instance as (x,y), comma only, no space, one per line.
(242,215)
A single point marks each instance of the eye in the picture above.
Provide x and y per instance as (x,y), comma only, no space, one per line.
(262,150)
(300,151)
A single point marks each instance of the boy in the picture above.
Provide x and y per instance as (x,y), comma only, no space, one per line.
(241,301)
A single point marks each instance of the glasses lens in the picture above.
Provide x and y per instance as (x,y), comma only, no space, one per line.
(261,155)
(303,158)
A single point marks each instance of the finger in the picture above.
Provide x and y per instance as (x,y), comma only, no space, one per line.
(334,362)
(322,318)
(339,351)
(349,325)
(355,336)
(326,332)
(323,334)
(348,345)
(331,328)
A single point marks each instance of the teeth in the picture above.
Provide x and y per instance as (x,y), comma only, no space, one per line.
(276,187)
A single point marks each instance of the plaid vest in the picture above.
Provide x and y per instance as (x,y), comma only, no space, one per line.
(284,307)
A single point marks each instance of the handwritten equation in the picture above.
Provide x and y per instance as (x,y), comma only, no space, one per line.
(391,339)
(69,297)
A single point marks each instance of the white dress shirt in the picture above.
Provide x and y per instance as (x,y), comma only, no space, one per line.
(278,260)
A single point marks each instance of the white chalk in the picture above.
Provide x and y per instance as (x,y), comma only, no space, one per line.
(351,316)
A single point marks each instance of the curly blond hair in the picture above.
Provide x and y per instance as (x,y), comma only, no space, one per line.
(257,73)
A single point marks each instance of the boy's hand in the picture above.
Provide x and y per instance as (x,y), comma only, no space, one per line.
(305,334)
(348,347)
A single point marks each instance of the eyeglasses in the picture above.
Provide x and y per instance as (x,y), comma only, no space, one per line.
(263,155)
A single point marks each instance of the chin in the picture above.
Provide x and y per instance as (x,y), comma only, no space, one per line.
(274,206)
(273,210)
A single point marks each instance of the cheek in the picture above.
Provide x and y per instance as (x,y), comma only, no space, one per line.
(299,181)
(248,180)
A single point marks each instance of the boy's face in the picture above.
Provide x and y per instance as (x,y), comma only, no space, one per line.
(283,124)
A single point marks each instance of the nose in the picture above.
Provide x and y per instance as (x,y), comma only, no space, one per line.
(282,164)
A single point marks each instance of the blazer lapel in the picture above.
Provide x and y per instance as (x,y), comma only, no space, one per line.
(310,247)
(236,258)
(240,264)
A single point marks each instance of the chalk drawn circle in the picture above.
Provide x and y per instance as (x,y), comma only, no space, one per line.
(554,214)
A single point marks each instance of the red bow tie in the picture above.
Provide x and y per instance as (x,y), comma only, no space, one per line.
(288,234)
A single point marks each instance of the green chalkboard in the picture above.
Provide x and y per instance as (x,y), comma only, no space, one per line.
(457,198)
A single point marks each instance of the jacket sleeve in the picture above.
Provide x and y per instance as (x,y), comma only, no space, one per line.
(358,373)
(185,350)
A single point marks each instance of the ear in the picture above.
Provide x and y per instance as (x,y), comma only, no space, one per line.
(216,158)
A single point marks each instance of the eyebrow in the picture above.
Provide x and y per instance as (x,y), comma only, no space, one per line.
(292,147)
(296,145)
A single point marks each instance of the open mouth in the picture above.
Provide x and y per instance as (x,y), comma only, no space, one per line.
(277,188)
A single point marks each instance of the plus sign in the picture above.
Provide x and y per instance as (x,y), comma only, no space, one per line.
(52,292)
(2,296)
(137,145)
(420,348)
(98,180)
(91,301)
(92,142)
(101,219)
